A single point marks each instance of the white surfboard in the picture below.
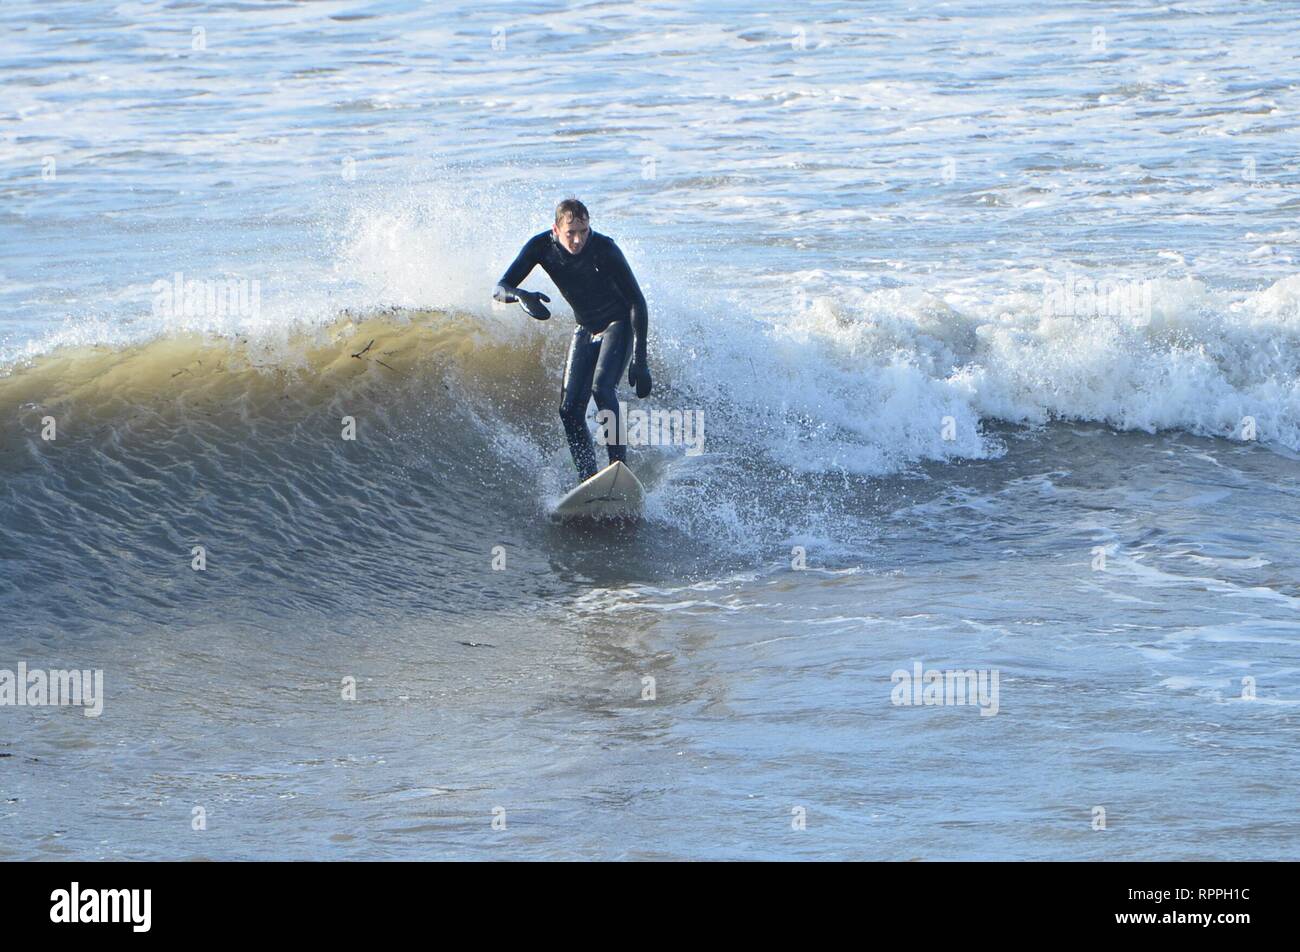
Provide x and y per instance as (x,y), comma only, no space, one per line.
(613,493)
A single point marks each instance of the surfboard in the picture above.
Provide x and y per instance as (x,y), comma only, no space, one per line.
(613,493)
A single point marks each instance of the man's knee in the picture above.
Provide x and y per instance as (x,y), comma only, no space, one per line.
(571,410)
(606,395)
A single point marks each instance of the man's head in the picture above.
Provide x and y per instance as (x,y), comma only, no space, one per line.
(572,225)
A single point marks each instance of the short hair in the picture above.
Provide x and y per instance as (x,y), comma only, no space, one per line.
(571,206)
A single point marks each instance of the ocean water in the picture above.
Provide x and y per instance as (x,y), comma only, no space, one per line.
(991,313)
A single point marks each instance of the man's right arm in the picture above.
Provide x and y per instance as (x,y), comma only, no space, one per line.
(519,269)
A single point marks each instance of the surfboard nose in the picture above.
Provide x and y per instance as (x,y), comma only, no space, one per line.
(613,493)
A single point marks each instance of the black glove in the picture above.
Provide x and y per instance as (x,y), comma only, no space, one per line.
(531,302)
(504,294)
(638,376)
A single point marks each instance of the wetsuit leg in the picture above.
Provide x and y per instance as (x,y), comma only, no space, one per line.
(611,366)
(575,393)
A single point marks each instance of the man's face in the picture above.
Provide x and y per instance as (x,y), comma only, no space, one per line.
(572,233)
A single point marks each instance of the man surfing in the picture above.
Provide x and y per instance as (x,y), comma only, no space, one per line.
(594,277)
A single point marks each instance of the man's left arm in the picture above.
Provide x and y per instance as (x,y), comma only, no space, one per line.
(638,374)
(624,280)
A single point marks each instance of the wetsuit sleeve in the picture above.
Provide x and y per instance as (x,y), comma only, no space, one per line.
(521,267)
(617,267)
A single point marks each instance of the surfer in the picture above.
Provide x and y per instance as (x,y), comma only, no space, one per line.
(594,277)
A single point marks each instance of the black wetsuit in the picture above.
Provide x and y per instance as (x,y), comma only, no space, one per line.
(609,307)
